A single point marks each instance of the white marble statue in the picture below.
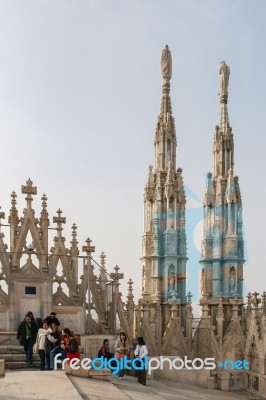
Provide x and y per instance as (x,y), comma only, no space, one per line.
(166,64)
(224,71)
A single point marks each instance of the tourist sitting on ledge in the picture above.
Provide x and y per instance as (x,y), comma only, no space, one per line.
(105,350)
(70,344)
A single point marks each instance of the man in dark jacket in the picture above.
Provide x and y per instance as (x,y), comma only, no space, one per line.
(51,319)
(26,335)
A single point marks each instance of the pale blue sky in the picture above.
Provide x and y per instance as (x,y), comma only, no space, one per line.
(80,92)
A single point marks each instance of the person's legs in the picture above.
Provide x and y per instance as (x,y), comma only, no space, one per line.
(142,377)
(121,373)
(53,353)
(42,358)
(26,349)
(31,343)
(47,357)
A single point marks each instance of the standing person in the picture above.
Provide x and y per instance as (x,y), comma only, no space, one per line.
(42,334)
(51,319)
(26,334)
(70,345)
(121,349)
(140,352)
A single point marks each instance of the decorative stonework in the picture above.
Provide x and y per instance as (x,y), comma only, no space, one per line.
(35,276)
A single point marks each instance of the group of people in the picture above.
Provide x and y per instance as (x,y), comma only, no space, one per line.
(49,339)
(122,349)
(52,342)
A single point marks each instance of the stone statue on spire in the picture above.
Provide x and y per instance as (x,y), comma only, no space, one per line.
(224,71)
(166,64)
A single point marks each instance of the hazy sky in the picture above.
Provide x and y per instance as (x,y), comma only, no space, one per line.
(80,91)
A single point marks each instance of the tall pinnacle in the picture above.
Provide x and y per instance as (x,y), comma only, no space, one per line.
(224,72)
(165,138)
(223,149)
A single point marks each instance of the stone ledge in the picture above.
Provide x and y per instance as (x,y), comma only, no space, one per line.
(104,374)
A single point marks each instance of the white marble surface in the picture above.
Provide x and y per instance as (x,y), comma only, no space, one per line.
(41,385)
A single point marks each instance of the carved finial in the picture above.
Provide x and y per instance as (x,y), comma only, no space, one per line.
(44,212)
(102,257)
(13,200)
(130,290)
(13,216)
(88,248)
(130,284)
(59,221)
(116,275)
(44,202)
(166,64)
(29,190)
(74,241)
(255,301)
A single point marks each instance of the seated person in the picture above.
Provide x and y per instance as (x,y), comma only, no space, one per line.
(105,350)
(52,346)
(70,344)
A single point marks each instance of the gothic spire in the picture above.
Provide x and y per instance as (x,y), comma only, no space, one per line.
(165,137)
(223,139)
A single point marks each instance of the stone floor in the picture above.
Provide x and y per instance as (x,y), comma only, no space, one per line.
(41,385)
(130,389)
(55,385)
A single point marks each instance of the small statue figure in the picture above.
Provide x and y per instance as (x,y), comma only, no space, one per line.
(203,281)
(171,279)
(232,281)
(224,71)
(166,64)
